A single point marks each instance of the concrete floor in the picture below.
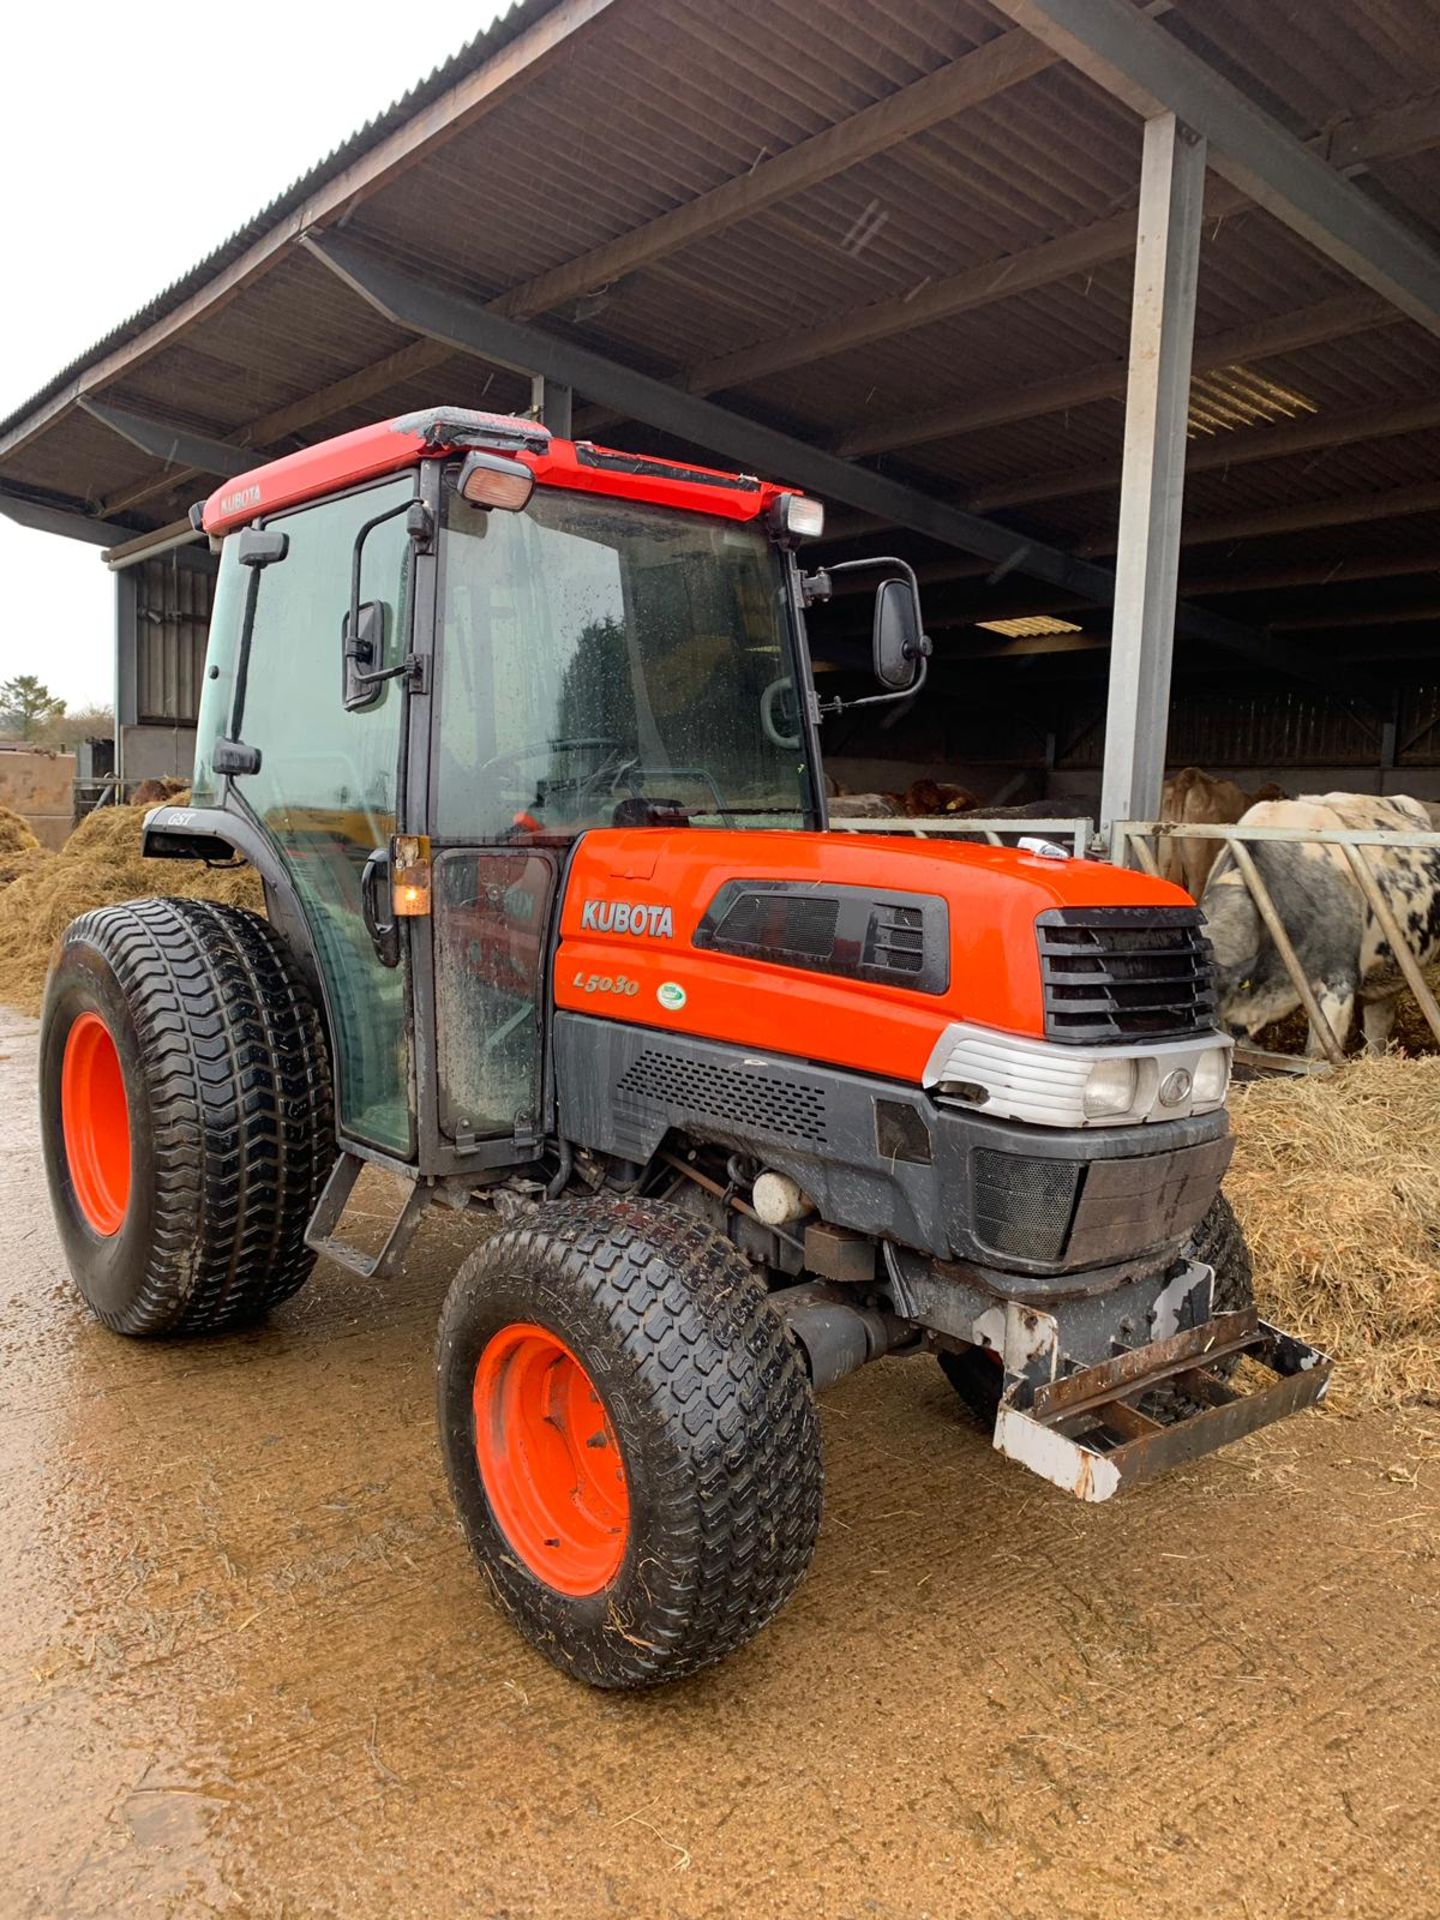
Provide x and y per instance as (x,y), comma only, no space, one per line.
(247,1667)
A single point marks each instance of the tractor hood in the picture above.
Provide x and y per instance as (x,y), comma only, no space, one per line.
(858,951)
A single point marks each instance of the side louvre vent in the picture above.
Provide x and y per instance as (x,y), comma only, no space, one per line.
(729,1096)
(1125,973)
(893,939)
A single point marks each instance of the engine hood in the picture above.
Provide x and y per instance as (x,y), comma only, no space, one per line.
(636,944)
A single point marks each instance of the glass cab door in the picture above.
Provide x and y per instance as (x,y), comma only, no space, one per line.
(326,789)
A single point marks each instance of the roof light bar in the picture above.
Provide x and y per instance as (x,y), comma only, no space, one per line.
(466,427)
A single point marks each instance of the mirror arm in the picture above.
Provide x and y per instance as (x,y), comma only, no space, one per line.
(819,586)
(837,705)
(353,642)
(419,524)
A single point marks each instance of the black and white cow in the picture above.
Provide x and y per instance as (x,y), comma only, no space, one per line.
(1336,937)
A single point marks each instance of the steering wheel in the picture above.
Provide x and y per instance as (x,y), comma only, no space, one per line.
(769,702)
(593,743)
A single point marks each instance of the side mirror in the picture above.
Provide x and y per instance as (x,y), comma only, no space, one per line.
(898,640)
(363,649)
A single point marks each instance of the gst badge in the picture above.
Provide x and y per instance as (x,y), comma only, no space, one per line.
(670,994)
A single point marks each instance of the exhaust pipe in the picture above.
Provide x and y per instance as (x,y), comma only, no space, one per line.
(835,1335)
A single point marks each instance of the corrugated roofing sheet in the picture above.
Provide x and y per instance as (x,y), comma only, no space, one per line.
(674,98)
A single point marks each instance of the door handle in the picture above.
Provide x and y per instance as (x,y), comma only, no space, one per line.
(380,922)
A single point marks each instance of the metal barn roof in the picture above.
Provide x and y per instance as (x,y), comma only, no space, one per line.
(902,235)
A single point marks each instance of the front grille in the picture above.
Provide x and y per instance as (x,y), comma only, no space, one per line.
(1023,1207)
(1125,973)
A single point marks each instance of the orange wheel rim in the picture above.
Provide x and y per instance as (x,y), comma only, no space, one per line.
(549,1460)
(95,1120)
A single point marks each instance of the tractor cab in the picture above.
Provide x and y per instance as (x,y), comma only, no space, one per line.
(455,633)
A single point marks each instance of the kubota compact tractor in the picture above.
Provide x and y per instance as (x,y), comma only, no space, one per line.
(521,737)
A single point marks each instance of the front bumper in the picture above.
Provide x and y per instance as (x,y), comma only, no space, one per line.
(1038,1209)
(1092,1434)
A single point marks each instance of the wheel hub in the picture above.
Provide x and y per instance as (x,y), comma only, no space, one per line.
(549,1460)
(95,1121)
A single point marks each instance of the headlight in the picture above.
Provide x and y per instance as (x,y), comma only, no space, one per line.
(1110,1088)
(1212,1077)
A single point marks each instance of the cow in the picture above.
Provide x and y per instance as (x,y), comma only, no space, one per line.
(1331,926)
(154,793)
(1193,798)
(922,800)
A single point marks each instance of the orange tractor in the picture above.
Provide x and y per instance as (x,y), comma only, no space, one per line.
(522,739)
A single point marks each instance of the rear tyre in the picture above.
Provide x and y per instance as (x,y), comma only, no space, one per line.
(1218,1242)
(630,1439)
(187,1119)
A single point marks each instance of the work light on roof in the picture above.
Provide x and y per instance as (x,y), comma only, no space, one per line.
(795,517)
(492,480)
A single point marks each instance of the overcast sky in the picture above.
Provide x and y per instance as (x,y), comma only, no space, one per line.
(142,138)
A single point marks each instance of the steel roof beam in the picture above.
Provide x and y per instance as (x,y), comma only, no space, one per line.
(1304,435)
(177,446)
(1284,333)
(1149,69)
(1306,516)
(407,363)
(966,82)
(49,516)
(1411,128)
(472,328)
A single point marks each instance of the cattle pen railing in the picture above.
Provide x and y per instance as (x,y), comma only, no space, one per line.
(997,830)
(1135,843)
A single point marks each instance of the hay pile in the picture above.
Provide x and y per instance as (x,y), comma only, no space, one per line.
(18,847)
(1336,1181)
(99,864)
(15,836)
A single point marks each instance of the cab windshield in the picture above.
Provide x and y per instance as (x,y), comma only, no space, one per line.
(609,663)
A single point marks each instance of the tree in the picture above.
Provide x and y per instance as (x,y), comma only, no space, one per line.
(67,730)
(26,704)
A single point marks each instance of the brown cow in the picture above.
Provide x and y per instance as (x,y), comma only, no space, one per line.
(154,793)
(1193,798)
(922,800)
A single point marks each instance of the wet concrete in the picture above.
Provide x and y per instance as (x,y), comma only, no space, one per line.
(246,1666)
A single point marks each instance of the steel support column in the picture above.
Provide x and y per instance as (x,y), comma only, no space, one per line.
(552,404)
(1157,399)
(127,642)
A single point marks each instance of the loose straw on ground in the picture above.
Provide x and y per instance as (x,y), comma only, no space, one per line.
(1336,1180)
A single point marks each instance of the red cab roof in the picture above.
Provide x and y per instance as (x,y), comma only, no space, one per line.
(438,432)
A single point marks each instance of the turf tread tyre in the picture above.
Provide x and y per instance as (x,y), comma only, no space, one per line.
(711,1404)
(1218,1241)
(231,1114)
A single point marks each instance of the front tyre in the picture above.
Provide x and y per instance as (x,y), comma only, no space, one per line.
(630,1439)
(186,1113)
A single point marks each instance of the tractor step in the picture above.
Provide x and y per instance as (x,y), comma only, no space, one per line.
(322,1233)
(1089,1433)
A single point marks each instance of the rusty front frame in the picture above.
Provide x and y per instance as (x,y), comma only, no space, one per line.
(1086,1434)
